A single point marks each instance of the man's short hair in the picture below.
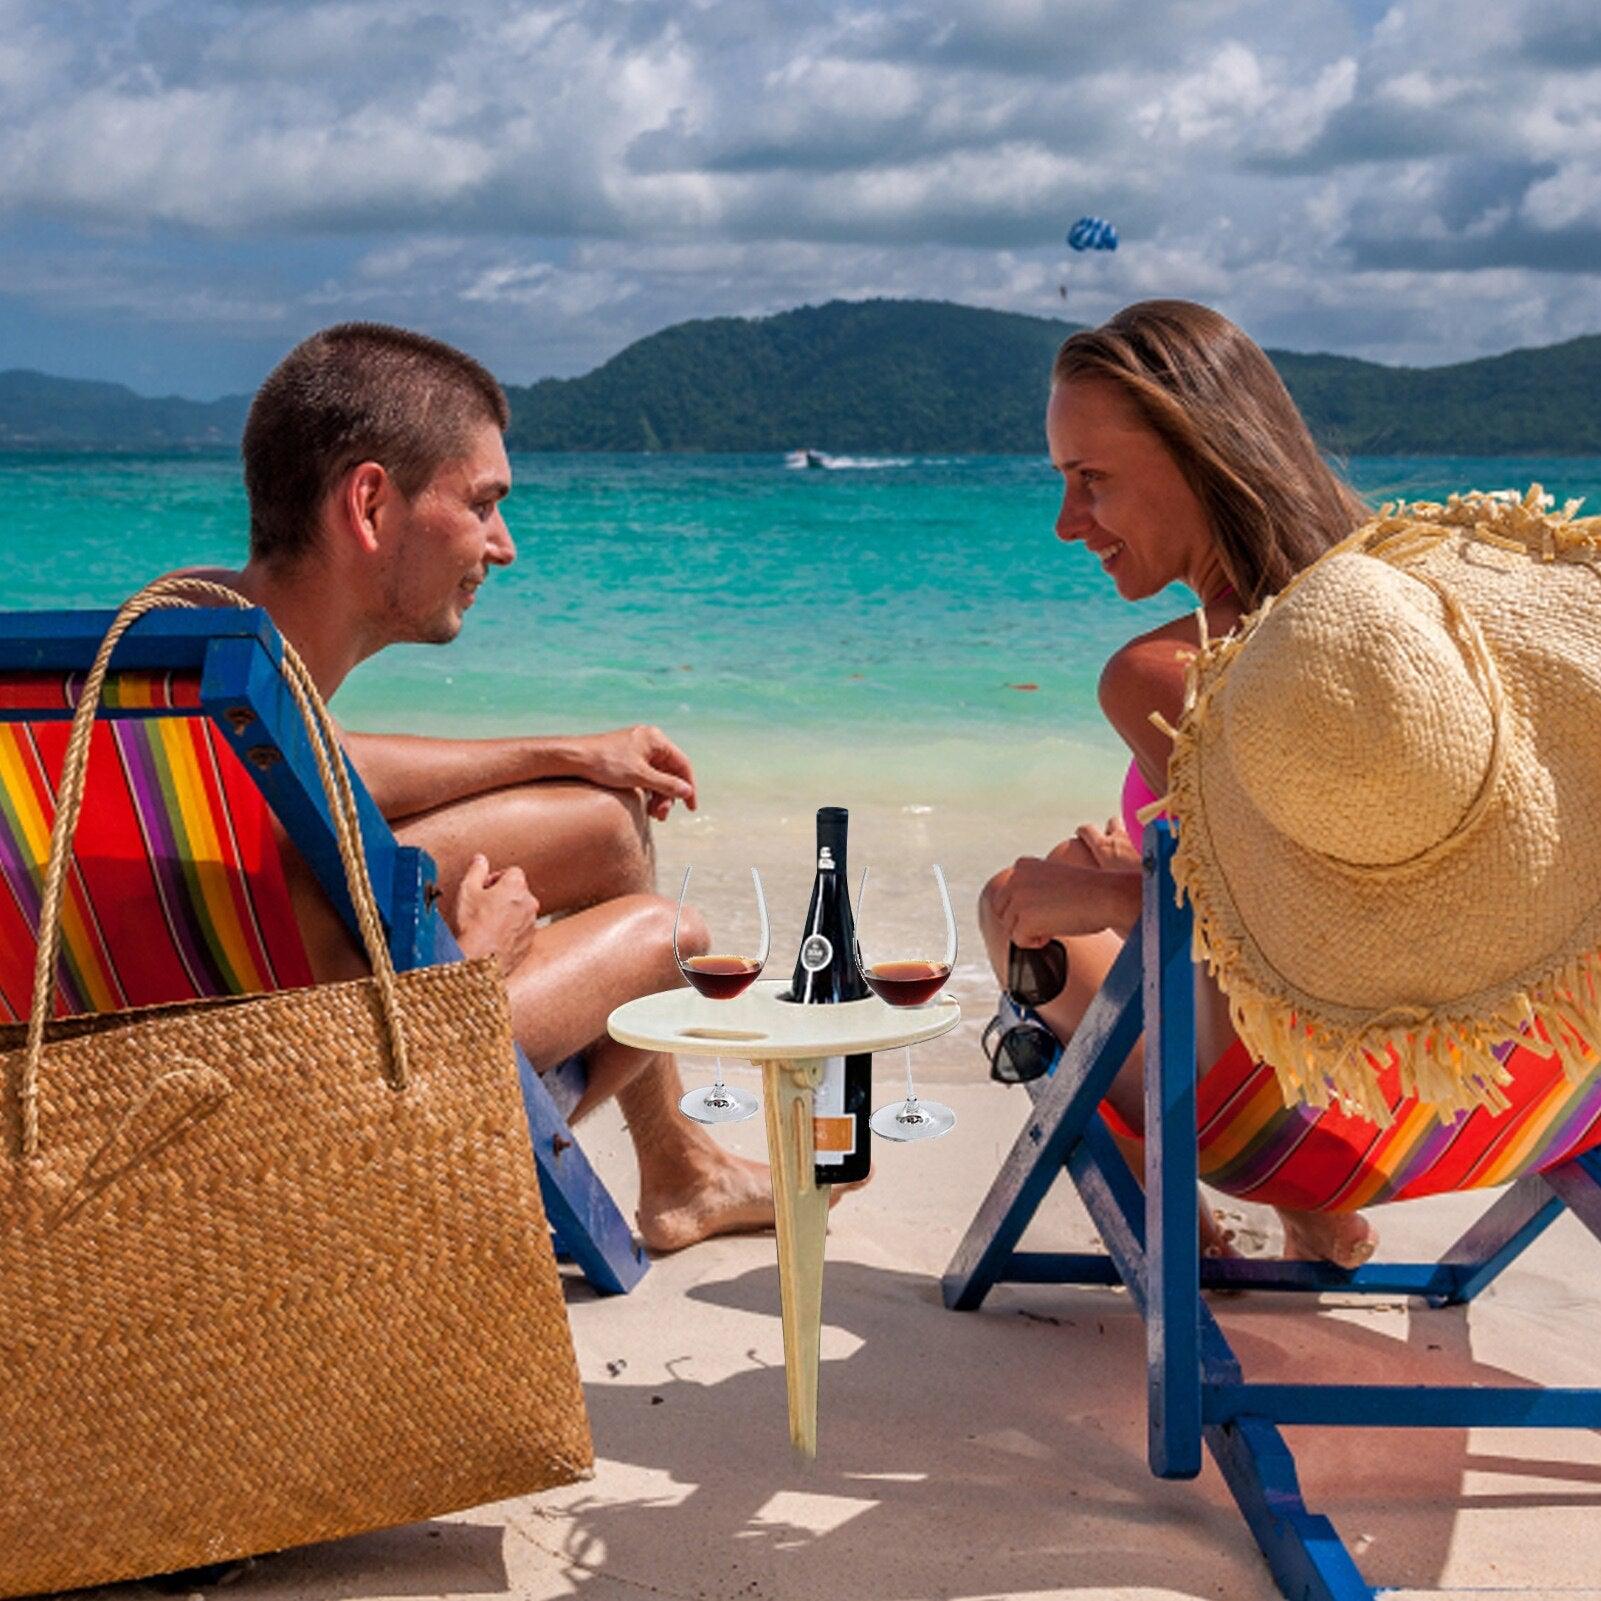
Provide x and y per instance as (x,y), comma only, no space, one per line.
(360,391)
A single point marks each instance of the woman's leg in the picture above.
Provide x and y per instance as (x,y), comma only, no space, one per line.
(1344,1238)
(1089,960)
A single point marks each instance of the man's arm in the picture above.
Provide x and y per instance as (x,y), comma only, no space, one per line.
(408,774)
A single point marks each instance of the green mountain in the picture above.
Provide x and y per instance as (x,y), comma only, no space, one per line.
(885,376)
(875,375)
(907,375)
(38,412)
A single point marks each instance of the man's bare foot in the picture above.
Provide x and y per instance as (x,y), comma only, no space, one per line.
(725,1194)
(1345,1239)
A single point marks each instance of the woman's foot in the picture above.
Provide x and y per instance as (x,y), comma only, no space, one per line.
(1345,1239)
(1217,1240)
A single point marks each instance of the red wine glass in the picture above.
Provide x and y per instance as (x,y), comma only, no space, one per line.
(907,968)
(720,976)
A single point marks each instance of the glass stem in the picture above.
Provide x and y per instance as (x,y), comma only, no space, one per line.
(911,1092)
(718,1086)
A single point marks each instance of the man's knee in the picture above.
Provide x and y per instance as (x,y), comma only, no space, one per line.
(616,840)
(694,937)
(650,920)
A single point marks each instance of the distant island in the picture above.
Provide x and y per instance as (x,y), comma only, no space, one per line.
(886,376)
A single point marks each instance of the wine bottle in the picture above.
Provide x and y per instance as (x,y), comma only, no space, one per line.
(826,973)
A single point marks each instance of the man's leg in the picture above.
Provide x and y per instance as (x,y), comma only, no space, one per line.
(579,846)
(586,851)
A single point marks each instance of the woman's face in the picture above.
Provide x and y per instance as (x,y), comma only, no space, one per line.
(1123,493)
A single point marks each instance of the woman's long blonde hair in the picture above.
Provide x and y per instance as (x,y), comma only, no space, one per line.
(1215,401)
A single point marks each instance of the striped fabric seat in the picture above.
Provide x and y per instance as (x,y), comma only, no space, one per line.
(177,890)
(1255,1147)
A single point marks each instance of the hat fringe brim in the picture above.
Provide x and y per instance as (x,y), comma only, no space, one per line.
(1450,1061)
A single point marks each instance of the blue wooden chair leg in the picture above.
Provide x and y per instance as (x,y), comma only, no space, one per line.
(1062,1107)
(1308,1559)
(589,1228)
(1505,1231)
(1172,1261)
(1578,1184)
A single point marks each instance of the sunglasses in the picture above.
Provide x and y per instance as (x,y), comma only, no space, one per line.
(1020,1053)
(1034,978)
(1027,1050)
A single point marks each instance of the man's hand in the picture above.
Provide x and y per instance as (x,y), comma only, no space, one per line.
(1044,900)
(495,914)
(642,758)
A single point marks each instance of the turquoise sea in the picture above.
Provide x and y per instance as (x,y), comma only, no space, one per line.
(880,614)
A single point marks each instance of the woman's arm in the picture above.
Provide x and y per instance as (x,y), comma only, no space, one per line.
(1050,898)
(1041,900)
(1147,675)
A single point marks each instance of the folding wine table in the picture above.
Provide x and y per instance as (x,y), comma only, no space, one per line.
(790,1044)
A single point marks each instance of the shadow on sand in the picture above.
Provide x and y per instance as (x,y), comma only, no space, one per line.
(972,1455)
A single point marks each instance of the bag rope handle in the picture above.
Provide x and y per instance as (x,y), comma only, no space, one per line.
(171,593)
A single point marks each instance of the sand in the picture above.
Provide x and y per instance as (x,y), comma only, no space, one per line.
(999,1453)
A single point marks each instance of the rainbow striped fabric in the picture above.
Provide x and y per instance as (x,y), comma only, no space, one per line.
(1255,1147)
(177,890)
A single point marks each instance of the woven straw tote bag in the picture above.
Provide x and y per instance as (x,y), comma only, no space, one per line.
(272,1269)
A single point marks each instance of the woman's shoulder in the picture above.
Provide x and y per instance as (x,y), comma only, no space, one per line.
(1147,674)
(1157,650)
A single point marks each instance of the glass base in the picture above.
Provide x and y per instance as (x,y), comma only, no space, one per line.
(912,1120)
(719,1103)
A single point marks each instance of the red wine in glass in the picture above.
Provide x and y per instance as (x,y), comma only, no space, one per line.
(913,982)
(906,981)
(721,978)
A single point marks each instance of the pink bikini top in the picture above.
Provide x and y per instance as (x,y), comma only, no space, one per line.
(1136,794)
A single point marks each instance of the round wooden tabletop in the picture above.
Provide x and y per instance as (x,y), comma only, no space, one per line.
(761,1028)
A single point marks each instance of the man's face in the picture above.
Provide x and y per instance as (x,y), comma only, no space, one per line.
(445,540)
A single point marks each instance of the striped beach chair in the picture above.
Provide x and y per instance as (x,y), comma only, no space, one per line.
(1197,1393)
(177,889)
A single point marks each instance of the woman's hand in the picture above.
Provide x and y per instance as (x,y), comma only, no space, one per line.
(641,758)
(495,914)
(1109,847)
(1044,899)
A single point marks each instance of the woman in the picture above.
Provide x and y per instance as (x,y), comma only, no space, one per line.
(1185,461)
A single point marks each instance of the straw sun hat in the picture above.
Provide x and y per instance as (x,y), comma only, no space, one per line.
(1387,784)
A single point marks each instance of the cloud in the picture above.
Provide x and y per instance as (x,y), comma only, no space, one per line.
(536,176)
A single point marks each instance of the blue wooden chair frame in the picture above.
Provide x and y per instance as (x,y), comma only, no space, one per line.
(238,655)
(1196,1390)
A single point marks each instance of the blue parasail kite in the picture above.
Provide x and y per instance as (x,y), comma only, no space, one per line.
(1092,233)
(1089,233)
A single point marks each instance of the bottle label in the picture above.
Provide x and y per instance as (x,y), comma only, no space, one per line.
(816,953)
(833,1129)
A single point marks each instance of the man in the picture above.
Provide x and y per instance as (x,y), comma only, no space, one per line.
(375,469)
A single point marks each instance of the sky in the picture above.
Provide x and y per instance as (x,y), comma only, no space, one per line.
(189,186)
